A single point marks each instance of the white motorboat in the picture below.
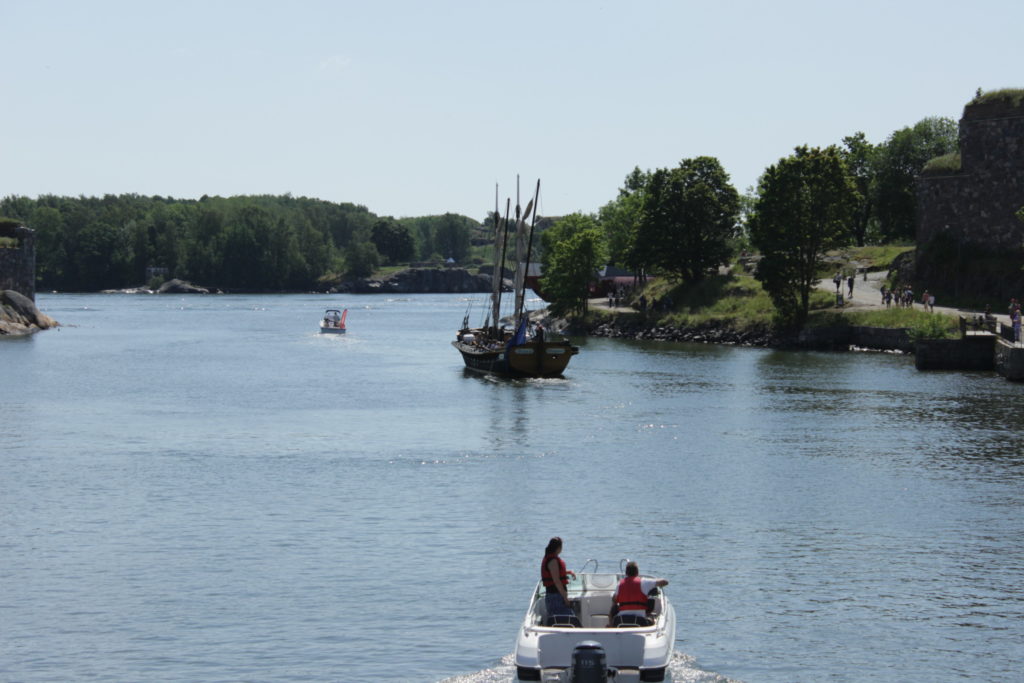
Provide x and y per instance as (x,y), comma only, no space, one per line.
(333,321)
(591,645)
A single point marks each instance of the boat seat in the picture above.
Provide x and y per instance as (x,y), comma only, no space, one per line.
(630,620)
(563,620)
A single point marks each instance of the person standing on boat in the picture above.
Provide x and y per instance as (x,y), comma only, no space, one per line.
(630,596)
(555,578)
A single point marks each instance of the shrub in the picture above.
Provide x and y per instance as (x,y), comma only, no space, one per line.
(947,163)
(931,327)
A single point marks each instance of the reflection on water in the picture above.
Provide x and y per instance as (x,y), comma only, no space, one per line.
(204,488)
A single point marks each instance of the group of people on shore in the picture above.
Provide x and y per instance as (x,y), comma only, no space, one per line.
(629,599)
(903,297)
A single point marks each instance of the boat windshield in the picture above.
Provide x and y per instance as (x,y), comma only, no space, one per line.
(592,583)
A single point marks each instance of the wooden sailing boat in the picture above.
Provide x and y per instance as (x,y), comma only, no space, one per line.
(519,351)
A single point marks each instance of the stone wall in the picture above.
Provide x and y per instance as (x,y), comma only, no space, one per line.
(844,337)
(979,204)
(1009,360)
(18,265)
(969,239)
(968,353)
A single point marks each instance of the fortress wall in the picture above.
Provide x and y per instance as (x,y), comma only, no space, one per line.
(979,204)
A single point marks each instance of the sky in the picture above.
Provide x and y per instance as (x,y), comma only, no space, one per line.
(421,108)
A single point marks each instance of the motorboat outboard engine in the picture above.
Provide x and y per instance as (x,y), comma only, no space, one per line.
(589,663)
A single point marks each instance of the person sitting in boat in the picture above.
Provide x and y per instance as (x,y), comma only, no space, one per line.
(555,578)
(630,597)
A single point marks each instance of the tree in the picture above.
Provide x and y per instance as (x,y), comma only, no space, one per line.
(361,259)
(247,260)
(103,256)
(900,160)
(451,238)
(51,257)
(620,219)
(571,262)
(805,204)
(859,156)
(393,240)
(689,215)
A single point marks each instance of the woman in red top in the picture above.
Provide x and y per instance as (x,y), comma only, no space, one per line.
(555,578)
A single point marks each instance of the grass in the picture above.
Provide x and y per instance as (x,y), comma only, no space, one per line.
(1014,96)
(384,271)
(737,301)
(8,243)
(946,164)
(852,259)
(919,323)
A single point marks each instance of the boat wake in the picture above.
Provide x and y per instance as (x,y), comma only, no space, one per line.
(681,669)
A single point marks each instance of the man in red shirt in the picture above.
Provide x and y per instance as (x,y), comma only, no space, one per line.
(631,594)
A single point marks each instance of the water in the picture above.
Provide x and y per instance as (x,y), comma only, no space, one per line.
(204,488)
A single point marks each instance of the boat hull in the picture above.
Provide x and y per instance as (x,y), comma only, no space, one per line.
(639,653)
(332,330)
(532,359)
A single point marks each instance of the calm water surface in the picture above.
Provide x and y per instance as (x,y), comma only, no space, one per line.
(204,488)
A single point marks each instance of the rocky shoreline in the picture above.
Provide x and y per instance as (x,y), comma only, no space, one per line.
(409,281)
(707,333)
(836,338)
(19,315)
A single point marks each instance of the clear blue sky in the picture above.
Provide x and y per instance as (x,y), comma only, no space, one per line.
(416,108)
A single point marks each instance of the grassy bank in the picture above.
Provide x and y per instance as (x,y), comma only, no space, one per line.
(738,302)
(921,324)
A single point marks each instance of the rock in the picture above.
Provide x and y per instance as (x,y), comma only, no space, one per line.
(423,281)
(19,315)
(177,286)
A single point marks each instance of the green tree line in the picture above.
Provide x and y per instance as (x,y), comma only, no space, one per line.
(248,243)
(680,222)
(685,222)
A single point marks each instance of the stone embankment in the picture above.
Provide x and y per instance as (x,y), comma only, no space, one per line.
(19,316)
(709,333)
(837,338)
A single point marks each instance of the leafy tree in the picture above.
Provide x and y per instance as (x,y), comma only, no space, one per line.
(689,215)
(859,155)
(620,219)
(804,206)
(451,237)
(571,263)
(899,161)
(51,256)
(361,259)
(393,240)
(204,253)
(247,263)
(102,255)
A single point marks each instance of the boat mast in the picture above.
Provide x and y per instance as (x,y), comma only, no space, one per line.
(501,273)
(496,271)
(529,241)
(522,256)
